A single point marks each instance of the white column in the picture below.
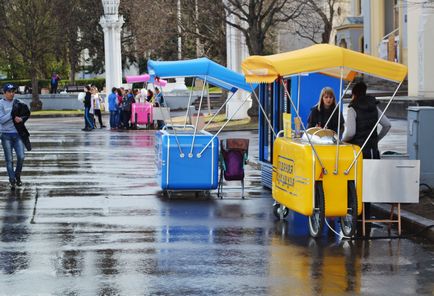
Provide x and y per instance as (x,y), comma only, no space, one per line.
(421,50)
(117,53)
(112,26)
(237,51)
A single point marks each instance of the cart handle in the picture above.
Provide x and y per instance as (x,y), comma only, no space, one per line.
(280,133)
(323,132)
(179,126)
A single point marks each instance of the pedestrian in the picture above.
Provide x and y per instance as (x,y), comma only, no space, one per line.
(137,95)
(362,115)
(127,101)
(10,119)
(321,112)
(88,119)
(112,102)
(159,102)
(120,94)
(158,98)
(150,96)
(97,102)
(54,82)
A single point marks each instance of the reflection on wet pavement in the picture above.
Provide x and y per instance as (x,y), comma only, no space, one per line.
(102,227)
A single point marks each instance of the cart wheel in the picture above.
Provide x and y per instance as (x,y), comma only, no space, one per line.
(316,221)
(280,211)
(165,193)
(349,222)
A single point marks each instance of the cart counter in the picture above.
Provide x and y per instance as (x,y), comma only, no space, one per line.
(296,169)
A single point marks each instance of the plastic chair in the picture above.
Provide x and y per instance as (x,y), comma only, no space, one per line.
(233,157)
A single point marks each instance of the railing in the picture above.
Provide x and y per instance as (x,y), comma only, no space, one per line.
(388,49)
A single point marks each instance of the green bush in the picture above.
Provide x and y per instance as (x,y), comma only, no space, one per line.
(45,83)
(98,82)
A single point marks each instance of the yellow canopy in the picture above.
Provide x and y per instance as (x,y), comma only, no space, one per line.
(324,58)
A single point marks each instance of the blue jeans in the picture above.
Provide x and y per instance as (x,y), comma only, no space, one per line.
(88,121)
(9,142)
(118,118)
(113,119)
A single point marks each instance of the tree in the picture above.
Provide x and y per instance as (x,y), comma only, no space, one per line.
(255,19)
(316,21)
(204,25)
(154,27)
(73,18)
(31,37)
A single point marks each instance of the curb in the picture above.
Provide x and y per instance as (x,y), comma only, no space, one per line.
(411,222)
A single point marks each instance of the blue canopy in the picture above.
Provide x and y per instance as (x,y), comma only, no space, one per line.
(202,68)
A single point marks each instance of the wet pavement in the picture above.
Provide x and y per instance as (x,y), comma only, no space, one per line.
(90,220)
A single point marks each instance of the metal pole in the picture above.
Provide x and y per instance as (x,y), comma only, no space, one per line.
(190,155)
(339,125)
(263,111)
(189,101)
(223,126)
(208,100)
(217,112)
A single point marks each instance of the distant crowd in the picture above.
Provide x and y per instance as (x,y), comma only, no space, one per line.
(120,103)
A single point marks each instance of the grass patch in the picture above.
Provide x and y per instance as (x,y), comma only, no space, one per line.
(220,120)
(212,90)
(57,112)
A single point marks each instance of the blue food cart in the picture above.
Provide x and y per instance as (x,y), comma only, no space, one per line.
(187,155)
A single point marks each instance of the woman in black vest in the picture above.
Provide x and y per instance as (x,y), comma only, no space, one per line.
(321,112)
(362,116)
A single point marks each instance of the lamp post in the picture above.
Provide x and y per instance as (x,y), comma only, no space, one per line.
(180,81)
(111,23)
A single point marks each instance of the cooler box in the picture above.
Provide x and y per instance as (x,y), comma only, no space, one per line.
(141,113)
(181,172)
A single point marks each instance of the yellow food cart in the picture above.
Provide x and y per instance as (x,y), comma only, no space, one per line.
(317,175)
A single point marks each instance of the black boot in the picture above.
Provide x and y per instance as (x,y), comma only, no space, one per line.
(12,184)
(18,181)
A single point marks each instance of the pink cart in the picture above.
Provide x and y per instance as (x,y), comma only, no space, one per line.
(141,114)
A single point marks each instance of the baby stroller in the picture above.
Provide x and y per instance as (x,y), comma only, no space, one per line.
(233,156)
